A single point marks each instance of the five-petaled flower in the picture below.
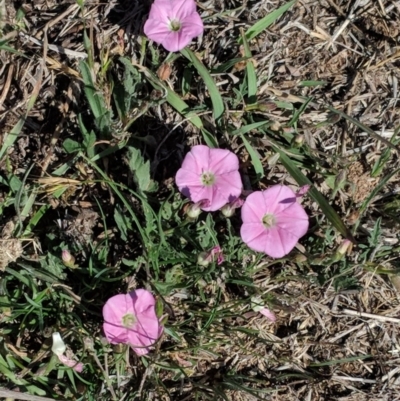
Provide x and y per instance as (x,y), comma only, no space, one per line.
(210,174)
(173,23)
(273,221)
(131,319)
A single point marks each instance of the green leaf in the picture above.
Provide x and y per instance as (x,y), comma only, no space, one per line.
(249,127)
(96,101)
(125,89)
(180,106)
(255,159)
(267,21)
(251,73)
(366,129)
(72,146)
(11,137)
(326,208)
(216,99)
(141,171)
(122,222)
(312,83)
(375,192)
(225,67)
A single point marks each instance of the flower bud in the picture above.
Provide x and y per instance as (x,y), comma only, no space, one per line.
(302,190)
(229,209)
(343,248)
(58,344)
(298,141)
(214,254)
(68,259)
(203,259)
(193,210)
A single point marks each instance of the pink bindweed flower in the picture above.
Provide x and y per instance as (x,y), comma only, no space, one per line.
(131,319)
(214,254)
(273,221)
(59,349)
(173,23)
(210,174)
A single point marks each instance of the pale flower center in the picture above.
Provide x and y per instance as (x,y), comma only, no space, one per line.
(269,221)
(175,25)
(128,320)
(207,178)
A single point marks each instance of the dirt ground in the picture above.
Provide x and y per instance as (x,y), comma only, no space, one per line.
(336,337)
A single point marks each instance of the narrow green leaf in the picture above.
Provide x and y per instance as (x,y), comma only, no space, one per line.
(96,101)
(179,105)
(267,21)
(216,99)
(225,67)
(312,83)
(250,127)
(12,136)
(251,73)
(339,361)
(326,208)
(366,129)
(375,191)
(255,159)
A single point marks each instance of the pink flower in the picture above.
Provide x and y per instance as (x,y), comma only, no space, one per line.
(173,23)
(131,319)
(273,221)
(210,174)
(59,349)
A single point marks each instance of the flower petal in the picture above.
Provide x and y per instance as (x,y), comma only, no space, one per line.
(182,9)
(197,160)
(113,311)
(156,30)
(192,26)
(277,198)
(77,366)
(268,314)
(253,209)
(161,11)
(143,302)
(223,161)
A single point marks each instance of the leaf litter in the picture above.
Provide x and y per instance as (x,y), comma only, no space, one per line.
(336,331)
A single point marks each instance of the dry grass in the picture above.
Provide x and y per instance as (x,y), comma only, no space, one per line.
(311,352)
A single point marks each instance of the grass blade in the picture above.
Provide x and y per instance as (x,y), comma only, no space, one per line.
(216,99)
(267,21)
(326,208)
(364,128)
(255,159)
(251,72)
